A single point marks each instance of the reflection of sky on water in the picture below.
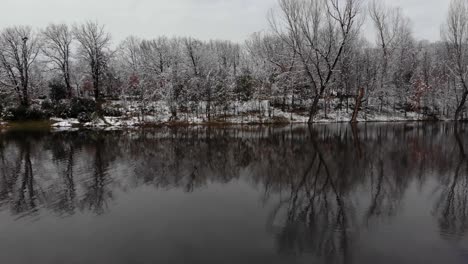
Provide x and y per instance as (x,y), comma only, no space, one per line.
(379,193)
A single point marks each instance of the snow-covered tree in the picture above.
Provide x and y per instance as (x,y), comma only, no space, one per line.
(57,48)
(19,48)
(94,48)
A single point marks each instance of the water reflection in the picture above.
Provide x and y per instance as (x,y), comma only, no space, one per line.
(451,207)
(326,191)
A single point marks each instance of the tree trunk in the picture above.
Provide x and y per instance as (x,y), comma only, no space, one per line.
(68,86)
(314,108)
(461,105)
(381,103)
(357,105)
(292,103)
(283,107)
(24,97)
(96,90)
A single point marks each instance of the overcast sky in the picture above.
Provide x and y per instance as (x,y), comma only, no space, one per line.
(205,19)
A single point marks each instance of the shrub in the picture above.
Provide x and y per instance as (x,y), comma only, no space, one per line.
(58,90)
(8,114)
(62,109)
(47,105)
(85,117)
(35,112)
(72,108)
(22,113)
(82,105)
(244,87)
(112,110)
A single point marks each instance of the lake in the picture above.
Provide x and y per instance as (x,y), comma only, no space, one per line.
(375,193)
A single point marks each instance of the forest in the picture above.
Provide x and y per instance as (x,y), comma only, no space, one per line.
(313,64)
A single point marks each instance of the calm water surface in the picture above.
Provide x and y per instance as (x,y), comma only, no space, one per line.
(379,193)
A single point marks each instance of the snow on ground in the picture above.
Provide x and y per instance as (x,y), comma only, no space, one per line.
(250,112)
(60,122)
(276,117)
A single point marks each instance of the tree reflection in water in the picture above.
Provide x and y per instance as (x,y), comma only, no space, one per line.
(327,182)
(451,207)
(317,216)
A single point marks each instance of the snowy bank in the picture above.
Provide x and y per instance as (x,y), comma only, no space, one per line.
(158,113)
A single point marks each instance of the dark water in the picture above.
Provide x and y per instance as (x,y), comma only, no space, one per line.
(394,193)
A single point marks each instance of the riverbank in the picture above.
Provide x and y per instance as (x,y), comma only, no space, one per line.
(108,122)
(128,114)
(272,117)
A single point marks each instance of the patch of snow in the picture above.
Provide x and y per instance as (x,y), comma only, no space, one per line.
(59,122)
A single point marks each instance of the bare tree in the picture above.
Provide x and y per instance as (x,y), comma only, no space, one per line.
(129,51)
(387,22)
(128,57)
(393,33)
(455,33)
(57,48)
(318,31)
(192,47)
(95,50)
(272,56)
(360,74)
(19,48)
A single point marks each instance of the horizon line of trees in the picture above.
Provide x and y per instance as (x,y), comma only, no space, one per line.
(313,59)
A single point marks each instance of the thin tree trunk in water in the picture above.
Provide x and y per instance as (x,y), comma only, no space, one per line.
(461,105)
(357,105)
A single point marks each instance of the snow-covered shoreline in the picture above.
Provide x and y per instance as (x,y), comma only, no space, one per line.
(113,123)
(148,121)
(134,114)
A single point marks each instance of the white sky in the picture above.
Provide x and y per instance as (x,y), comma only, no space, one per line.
(205,19)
